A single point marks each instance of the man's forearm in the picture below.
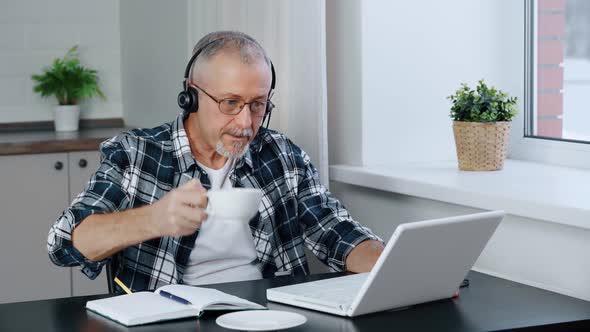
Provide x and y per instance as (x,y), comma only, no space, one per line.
(101,235)
(364,256)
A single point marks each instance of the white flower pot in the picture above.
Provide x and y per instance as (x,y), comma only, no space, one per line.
(66,117)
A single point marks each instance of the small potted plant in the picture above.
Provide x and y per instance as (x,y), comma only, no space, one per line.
(70,83)
(481,124)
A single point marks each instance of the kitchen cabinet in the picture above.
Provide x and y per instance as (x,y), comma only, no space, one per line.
(34,190)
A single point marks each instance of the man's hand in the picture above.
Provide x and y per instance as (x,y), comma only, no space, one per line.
(364,256)
(180,212)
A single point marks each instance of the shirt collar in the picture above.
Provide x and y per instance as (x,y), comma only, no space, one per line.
(182,147)
(253,148)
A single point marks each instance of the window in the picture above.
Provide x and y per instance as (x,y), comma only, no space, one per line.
(555,115)
(558,78)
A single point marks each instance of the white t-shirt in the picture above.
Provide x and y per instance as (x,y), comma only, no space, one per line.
(224,250)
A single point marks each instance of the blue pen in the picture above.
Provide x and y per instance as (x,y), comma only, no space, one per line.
(174,297)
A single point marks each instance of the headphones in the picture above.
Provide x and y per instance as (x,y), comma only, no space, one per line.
(188,98)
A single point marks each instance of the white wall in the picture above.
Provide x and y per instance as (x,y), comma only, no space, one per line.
(153,52)
(343,29)
(415,53)
(34,32)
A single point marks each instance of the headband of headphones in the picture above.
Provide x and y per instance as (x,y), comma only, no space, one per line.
(200,50)
(188,97)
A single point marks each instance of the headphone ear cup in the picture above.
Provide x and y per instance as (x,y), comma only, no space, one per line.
(188,100)
(194,99)
(183,100)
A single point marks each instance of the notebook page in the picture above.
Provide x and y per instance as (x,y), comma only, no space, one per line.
(203,298)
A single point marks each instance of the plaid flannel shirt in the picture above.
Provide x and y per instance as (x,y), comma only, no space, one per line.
(140,166)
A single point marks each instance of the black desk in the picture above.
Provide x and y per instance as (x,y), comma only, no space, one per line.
(489,304)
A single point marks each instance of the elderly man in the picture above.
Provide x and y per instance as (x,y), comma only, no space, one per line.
(146,201)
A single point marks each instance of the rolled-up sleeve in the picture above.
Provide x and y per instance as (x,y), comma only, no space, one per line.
(329,230)
(103,193)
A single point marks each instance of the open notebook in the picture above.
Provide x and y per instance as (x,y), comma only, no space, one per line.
(166,303)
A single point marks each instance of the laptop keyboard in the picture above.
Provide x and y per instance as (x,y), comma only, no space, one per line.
(337,292)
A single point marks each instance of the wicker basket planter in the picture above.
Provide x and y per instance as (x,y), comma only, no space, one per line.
(481,146)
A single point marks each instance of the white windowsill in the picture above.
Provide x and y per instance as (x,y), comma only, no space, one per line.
(533,190)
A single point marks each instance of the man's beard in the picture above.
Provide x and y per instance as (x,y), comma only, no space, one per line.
(238,148)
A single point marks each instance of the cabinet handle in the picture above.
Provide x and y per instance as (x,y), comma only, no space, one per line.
(82,163)
(58,165)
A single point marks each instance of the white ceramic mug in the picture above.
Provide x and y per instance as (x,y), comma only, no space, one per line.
(235,203)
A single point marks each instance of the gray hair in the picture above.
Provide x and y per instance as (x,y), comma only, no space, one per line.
(214,43)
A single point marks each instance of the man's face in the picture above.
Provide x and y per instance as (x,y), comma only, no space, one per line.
(226,76)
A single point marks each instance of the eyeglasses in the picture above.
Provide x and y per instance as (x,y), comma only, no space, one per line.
(233,106)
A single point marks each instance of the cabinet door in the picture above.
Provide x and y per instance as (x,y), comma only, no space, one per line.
(33,193)
(82,166)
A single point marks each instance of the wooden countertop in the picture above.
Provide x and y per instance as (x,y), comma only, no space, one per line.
(50,141)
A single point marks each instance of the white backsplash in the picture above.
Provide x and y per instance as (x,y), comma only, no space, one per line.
(34,32)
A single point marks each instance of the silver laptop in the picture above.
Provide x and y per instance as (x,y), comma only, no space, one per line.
(423,261)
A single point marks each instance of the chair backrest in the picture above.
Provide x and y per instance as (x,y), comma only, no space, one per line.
(112,266)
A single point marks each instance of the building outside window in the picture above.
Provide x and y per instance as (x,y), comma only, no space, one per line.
(559,62)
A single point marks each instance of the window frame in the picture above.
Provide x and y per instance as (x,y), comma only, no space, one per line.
(524,145)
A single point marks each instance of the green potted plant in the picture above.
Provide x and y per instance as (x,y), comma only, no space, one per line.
(481,125)
(70,83)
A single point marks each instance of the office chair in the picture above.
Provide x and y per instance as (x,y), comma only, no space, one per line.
(112,266)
